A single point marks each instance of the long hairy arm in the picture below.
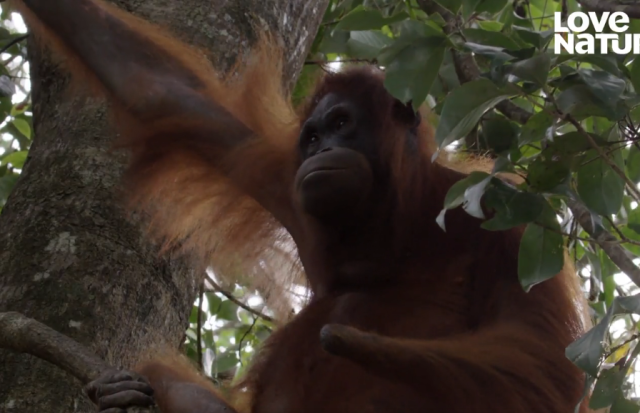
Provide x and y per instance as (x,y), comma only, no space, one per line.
(212,158)
(513,362)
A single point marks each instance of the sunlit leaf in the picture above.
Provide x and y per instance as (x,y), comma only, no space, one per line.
(16,159)
(23,126)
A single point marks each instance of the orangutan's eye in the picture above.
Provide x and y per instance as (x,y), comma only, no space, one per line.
(341,123)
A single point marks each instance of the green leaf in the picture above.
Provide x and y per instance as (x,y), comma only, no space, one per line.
(607,387)
(451,5)
(193,317)
(512,207)
(468,7)
(500,134)
(472,197)
(228,311)
(410,75)
(305,84)
(634,220)
(536,128)
(456,194)
(498,54)
(226,361)
(214,302)
(491,6)
(599,186)
(335,41)
(586,352)
(533,37)
(547,173)
(633,163)
(622,405)
(579,101)
(604,62)
(364,19)
(464,107)
(16,159)
(19,109)
(541,254)
(605,86)
(572,143)
(635,74)
(490,38)
(490,25)
(7,183)
(535,69)
(23,126)
(367,44)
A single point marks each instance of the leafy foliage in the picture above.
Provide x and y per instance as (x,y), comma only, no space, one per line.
(568,125)
(15,103)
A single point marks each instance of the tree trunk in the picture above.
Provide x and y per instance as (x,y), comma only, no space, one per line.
(68,256)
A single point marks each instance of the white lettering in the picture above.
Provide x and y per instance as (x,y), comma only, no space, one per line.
(599,25)
(604,41)
(560,42)
(587,45)
(615,45)
(575,35)
(619,17)
(571,22)
(557,23)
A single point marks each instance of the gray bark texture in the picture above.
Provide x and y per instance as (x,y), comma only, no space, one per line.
(69,256)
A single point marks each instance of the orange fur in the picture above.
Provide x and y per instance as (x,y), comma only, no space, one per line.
(450,299)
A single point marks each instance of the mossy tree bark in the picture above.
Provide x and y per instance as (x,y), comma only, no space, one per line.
(68,255)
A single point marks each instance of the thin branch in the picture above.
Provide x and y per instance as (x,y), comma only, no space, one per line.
(601,6)
(14,41)
(605,240)
(631,186)
(239,303)
(246,333)
(465,65)
(623,238)
(619,346)
(199,325)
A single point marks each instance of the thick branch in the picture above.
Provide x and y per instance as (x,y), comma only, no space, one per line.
(605,240)
(632,9)
(26,335)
